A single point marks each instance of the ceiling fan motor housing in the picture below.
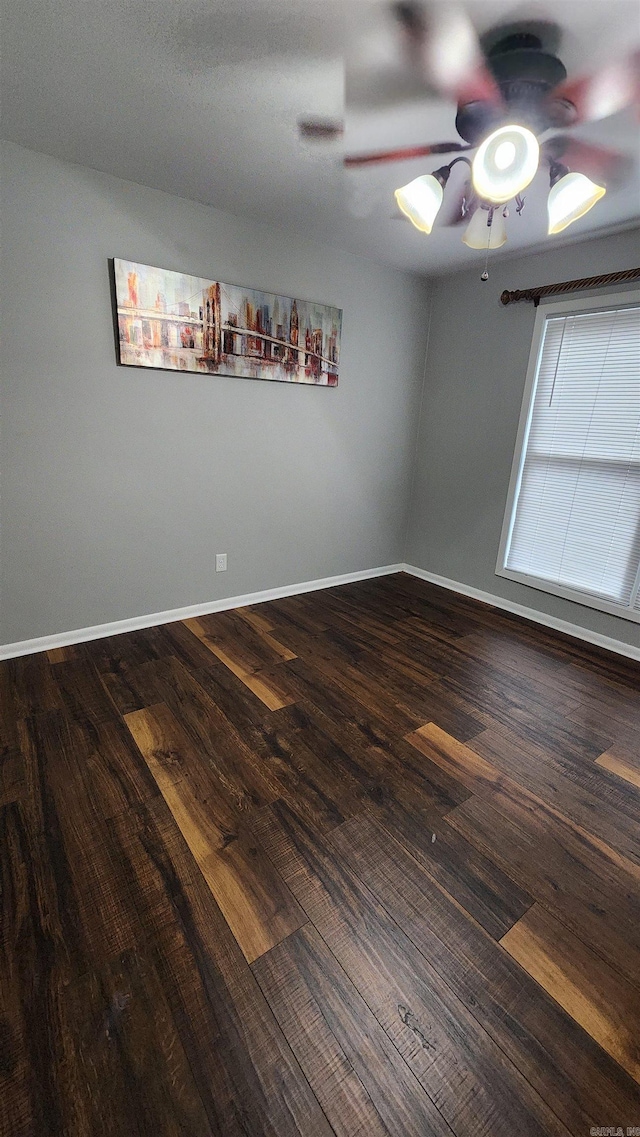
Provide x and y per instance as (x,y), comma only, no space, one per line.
(525,74)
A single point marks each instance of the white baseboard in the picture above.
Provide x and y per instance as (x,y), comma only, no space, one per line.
(575,630)
(135,623)
(99,631)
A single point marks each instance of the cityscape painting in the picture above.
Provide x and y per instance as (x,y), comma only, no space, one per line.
(177,322)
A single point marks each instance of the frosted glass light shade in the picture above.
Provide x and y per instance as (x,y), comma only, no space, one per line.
(479,235)
(420,200)
(570,198)
(505,163)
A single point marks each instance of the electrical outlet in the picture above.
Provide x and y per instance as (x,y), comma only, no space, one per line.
(221,562)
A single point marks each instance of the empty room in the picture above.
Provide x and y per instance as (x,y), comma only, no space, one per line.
(320,568)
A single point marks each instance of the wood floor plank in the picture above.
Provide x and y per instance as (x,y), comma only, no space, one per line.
(367,690)
(82,695)
(62,654)
(590,888)
(369,627)
(583,791)
(622,762)
(102,758)
(343,745)
(409,782)
(419,698)
(130,650)
(254,648)
(118,1065)
(605,690)
(387,771)
(246,1073)
(268,648)
(256,619)
(258,755)
(475,1088)
(373,720)
(91,1050)
(593,993)
(298,611)
(255,757)
(202,704)
(362,1083)
(32,688)
(319,789)
(468,876)
(496,758)
(115,658)
(577,1079)
(504,695)
(534,710)
(399,602)
(455,758)
(588,716)
(256,903)
(123,688)
(271,687)
(12,777)
(73,857)
(432,625)
(192,652)
(268,683)
(8,712)
(357,621)
(433,706)
(510,654)
(171,1036)
(332,649)
(252,721)
(16,1072)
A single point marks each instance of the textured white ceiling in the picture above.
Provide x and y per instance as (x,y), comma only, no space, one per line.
(201,99)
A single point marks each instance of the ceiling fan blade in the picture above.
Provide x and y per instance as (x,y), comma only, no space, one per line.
(320,129)
(590,97)
(598,163)
(441,43)
(404,153)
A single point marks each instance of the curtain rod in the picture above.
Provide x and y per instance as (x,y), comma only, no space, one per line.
(535,294)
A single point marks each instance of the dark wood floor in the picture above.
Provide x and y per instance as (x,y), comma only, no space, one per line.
(360,862)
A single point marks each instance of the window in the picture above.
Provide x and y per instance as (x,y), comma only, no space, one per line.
(572,525)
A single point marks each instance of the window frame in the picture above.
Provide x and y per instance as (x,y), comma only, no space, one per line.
(555,308)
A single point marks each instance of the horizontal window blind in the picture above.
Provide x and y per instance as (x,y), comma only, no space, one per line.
(576,516)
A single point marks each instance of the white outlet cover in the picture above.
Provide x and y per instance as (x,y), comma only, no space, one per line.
(221,562)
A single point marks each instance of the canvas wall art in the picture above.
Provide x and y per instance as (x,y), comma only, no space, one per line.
(178,322)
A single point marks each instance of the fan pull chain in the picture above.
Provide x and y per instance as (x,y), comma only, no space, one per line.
(484,276)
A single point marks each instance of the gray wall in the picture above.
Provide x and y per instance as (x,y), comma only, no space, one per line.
(119,485)
(476,366)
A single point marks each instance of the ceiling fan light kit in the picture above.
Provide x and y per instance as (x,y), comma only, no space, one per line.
(486,230)
(570,197)
(421,199)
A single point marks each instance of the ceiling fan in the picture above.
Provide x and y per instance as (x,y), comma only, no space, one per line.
(514,108)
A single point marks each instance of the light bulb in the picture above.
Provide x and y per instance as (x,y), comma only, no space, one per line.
(505,163)
(505,155)
(570,198)
(479,235)
(420,200)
